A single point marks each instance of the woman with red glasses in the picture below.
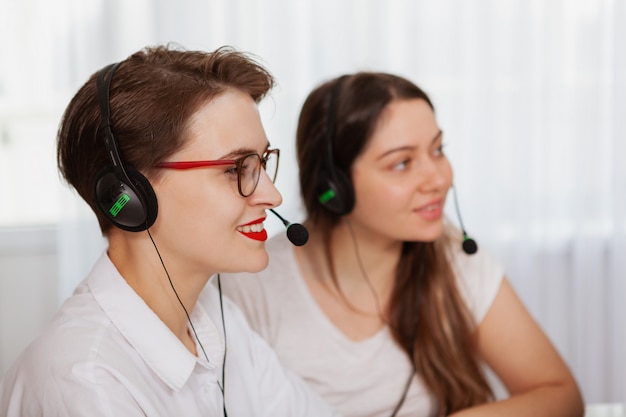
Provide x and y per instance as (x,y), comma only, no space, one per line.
(168,149)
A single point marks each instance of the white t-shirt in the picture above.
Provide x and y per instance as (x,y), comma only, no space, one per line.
(106,353)
(364,378)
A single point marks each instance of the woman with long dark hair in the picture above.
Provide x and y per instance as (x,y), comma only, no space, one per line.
(382,311)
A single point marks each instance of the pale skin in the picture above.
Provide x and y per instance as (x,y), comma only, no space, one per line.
(401,180)
(200,211)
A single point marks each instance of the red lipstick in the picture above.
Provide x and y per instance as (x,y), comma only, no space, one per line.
(254,230)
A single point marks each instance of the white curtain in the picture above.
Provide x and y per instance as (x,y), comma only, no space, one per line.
(531,95)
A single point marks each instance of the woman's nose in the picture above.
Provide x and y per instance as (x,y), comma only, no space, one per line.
(266,192)
(435,175)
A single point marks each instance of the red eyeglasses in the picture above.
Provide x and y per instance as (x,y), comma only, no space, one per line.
(248,168)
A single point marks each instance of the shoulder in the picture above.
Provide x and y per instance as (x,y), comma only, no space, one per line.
(81,332)
(478,278)
(64,356)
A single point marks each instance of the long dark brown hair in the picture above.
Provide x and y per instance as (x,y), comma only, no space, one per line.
(153,95)
(427,315)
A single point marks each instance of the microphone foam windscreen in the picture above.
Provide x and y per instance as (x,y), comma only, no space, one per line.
(297,234)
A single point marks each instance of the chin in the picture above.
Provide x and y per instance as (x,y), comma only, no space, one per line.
(252,264)
(425,237)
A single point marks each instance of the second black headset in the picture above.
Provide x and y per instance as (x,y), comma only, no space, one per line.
(335,191)
(123,195)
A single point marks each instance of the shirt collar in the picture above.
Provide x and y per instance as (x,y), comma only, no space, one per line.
(146,333)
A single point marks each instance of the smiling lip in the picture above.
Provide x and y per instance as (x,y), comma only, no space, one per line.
(254,230)
(431,211)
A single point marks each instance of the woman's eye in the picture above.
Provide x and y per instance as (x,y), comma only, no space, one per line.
(232,171)
(402,165)
(439,150)
(245,168)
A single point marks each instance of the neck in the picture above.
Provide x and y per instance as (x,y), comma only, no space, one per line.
(364,265)
(362,253)
(136,258)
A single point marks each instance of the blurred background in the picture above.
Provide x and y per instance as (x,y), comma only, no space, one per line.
(530,94)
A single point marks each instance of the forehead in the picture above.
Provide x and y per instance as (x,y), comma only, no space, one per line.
(227,123)
(409,123)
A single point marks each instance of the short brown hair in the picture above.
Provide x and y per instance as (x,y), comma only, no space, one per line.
(152,96)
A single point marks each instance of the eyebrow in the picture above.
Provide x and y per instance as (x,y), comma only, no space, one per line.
(409,148)
(235,153)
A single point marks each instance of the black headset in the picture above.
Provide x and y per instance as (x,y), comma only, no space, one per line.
(123,194)
(335,191)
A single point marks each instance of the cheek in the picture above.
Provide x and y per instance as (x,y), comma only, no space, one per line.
(447,171)
(190,211)
(381,201)
(202,232)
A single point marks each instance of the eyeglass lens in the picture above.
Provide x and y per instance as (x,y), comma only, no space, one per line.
(249,171)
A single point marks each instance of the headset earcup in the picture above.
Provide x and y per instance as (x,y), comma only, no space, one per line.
(337,194)
(130,207)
